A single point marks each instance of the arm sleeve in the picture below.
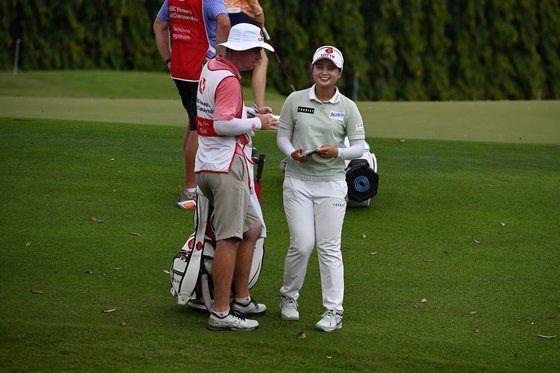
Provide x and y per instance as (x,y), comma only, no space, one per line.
(236,126)
(226,109)
(284,141)
(355,150)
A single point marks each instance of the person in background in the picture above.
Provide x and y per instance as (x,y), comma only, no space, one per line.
(208,21)
(313,125)
(223,173)
(250,11)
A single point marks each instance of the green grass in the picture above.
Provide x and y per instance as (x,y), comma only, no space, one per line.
(98,84)
(151,98)
(436,198)
(487,302)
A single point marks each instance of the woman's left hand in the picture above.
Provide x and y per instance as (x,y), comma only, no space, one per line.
(327,151)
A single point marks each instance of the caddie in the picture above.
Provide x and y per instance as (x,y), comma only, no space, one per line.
(223,172)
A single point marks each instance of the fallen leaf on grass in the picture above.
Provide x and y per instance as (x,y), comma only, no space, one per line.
(476,330)
(329,357)
(472,312)
(88,272)
(37,292)
(477,242)
(402,140)
(28,243)
(364,235)
(301,335)
(424,300)
(503,224)
(123,323)
(117,268)
(110,310)
(546,336)
(134,234)
(373,253)
(166,271)
(95,220)
(429,260)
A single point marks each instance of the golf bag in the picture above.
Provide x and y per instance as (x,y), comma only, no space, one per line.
(191,268)
(362,179)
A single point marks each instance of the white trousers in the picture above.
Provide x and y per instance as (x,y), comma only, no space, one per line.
(315,214)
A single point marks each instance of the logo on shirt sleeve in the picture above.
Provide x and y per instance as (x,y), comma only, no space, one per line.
(359,127)
(306,110)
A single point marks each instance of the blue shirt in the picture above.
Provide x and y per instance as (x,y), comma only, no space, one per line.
(211,10)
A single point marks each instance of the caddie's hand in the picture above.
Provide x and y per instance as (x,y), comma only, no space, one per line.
(327,151)
(264,109)
(268,121)
(296,154)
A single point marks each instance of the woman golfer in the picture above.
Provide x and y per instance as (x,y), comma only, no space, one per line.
(313,125)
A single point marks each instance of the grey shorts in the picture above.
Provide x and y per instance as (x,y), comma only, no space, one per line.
(229,195)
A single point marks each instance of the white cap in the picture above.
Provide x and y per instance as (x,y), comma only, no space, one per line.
(244,36)
(330,53)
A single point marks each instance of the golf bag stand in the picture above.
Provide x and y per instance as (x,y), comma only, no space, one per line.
(191,268)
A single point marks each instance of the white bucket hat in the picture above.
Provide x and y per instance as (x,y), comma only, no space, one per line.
(330,53)
(244,36)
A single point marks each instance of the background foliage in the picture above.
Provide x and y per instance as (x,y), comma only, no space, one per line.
(394,49)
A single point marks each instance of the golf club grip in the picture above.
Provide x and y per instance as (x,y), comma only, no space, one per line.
(260,168)
(266,35)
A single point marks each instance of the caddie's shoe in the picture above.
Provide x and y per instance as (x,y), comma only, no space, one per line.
(187,200)
(234,321)
(331,320)
(251,309)
(289,308)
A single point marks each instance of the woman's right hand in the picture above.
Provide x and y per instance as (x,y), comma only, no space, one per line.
(296,154)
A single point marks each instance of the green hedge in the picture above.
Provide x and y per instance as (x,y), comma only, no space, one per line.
(394,49)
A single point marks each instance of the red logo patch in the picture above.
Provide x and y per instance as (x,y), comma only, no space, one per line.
(202,85)
(329,50)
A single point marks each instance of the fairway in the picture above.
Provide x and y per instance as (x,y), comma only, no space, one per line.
(453,267)
(503,121)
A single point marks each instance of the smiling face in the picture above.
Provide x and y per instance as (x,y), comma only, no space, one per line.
(325,74)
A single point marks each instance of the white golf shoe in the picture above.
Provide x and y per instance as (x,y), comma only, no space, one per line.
(251,309)
(289,308)
(331,320)
(233,321)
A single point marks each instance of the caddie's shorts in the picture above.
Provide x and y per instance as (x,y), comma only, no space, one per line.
(187,91)
(229,195)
